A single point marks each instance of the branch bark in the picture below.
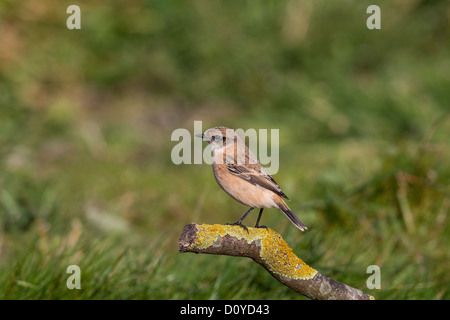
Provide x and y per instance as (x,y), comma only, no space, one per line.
(267,248)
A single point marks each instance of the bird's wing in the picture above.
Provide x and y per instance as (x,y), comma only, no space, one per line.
(255,174)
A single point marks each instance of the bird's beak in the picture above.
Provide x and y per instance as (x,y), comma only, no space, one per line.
(201,135)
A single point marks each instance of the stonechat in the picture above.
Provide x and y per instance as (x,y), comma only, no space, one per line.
(242,176)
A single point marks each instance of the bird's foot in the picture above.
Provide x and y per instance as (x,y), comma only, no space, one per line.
(258,226)
(238,224)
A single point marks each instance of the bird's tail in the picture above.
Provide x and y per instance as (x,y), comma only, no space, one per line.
(294,219)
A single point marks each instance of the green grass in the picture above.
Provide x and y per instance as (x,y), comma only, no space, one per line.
(86,118)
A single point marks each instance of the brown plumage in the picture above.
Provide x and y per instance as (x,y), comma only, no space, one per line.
(242,176)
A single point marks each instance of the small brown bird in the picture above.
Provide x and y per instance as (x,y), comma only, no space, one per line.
(242,176)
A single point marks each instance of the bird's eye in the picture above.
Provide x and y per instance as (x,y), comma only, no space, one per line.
(217,138)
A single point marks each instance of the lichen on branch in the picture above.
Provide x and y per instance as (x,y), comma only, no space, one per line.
(267,248)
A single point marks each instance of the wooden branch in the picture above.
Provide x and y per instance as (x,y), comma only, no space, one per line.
(267,248)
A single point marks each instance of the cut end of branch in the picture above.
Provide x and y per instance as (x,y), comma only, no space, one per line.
(187,238)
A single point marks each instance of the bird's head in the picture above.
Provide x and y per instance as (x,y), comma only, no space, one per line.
(219,137)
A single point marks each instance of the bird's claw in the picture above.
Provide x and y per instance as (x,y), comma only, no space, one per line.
(238,224)
(257,226)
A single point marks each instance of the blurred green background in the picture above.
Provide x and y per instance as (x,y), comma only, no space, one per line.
(86,118)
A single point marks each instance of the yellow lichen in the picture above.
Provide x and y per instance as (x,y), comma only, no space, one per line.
(274,250)
(207,234)
(281,259)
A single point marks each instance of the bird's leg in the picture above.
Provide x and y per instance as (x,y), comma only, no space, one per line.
(239,222)
(259,217)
